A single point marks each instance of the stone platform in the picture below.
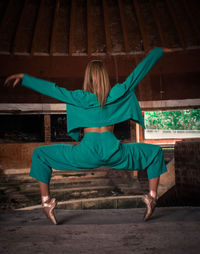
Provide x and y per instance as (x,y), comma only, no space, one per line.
(107,231)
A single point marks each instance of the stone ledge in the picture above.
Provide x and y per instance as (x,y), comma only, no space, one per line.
(97,203)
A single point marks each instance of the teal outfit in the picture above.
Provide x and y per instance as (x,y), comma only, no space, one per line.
(98,149)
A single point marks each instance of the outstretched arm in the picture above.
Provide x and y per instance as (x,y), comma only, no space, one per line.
(144,67)
(44,87)
(16,77)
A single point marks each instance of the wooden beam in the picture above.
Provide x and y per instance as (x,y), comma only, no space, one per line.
(3,6)
(55,23)
(96,40)
(34,41)
(42,32)
(123,23)
(71,30)
(59,45)
(89,28)
(170,104)
(54,108)
(176,63)
(156,17)
(188,11)
(31,108)
(141,24)
(8,25)
(18,34)
(24,32)
(106,26)
(178,29)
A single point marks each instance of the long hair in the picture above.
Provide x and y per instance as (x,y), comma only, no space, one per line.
(97,81)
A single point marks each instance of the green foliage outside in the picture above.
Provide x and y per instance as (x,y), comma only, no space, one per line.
(173,120)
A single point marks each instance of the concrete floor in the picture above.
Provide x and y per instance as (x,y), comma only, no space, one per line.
(120,231)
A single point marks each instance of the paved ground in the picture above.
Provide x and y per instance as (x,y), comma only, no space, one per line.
(120,231)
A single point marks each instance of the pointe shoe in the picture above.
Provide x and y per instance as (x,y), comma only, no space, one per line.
(150,205)
(48,209)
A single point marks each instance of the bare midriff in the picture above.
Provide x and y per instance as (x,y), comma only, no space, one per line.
(109,128)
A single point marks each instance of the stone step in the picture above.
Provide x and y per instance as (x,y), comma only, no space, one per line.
(78,175)
(64,183)
(70,173)
(17,171)
(131,201)
(16,178)
(57,183)
(72,191)
(14,199)
(31,196)
(23,175)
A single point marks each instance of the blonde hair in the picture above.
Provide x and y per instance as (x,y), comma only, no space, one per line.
(97,81)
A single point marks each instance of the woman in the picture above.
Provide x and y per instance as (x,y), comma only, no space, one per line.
(97,108)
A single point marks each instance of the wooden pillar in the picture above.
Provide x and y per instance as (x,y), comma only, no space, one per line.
(137,133)
(47,128)
(133,139)
(133,131)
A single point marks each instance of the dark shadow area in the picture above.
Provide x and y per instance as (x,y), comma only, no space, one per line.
(180,196)
(21,128)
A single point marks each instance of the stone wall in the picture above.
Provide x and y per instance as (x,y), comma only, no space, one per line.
(19,155)
(187,170)
(186,191)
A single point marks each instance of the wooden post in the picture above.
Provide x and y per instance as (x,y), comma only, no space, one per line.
(133,139)
(133,131)
(137,133)
(47,128)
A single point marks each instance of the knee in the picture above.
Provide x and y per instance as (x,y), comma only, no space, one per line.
(158,151)
(160,154)
(36,152)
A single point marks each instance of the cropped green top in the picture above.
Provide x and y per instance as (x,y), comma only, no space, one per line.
(83,108)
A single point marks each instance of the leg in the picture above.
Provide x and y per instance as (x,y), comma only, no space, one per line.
(153,186)
(60,157)
(140,156)
(41,169)
(150,199)
(154,170)
(48,204)
(44,189)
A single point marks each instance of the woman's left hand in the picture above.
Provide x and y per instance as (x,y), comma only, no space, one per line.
(167,50)
(17,78)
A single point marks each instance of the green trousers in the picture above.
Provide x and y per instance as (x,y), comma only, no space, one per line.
(96,150)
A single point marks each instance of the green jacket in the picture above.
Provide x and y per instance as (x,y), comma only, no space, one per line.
(83,108)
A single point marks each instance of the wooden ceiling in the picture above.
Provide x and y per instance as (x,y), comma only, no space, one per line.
(55,39)
(97,27)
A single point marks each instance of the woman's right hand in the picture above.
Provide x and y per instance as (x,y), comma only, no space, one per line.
(16,77)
